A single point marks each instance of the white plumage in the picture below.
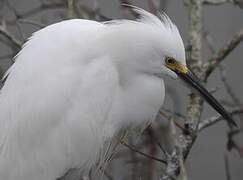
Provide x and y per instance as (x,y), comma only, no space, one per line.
(74,85)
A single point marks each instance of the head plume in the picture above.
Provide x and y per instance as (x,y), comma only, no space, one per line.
(163,25)
(163,21)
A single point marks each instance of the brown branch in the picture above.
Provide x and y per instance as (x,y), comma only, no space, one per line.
(222,53)
(152,150)
(141,153)
(152,7)
(177,114)
(135,168)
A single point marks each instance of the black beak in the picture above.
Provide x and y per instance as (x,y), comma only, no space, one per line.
(194,82)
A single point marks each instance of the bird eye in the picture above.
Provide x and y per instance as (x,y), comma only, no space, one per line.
(170,60)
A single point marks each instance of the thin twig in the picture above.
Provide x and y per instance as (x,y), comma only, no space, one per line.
(42,7)
(213,120)
(222,53)
(162,149)
(88,13)
(143,154)
(209,41)
(11,8)
(231,144)
(134,161)
(227,168)
(152,7)
(108,175)
(222,2)
(228,87)
(179,115)
(216,2)
(34,23)
(6,56)
(10,37)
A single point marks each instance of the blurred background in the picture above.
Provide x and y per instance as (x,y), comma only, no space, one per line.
(209,157)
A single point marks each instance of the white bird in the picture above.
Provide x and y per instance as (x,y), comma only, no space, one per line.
(76,83)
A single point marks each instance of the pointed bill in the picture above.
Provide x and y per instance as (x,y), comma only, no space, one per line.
(187,76)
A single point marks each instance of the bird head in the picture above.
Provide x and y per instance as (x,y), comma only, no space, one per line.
(159,51)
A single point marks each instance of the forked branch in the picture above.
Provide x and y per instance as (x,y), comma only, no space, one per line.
(222,53)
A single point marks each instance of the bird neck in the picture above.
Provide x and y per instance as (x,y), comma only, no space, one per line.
(139,100)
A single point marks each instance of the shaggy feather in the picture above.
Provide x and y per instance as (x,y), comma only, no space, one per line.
(74,85)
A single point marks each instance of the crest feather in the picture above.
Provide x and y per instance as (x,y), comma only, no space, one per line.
(163,21)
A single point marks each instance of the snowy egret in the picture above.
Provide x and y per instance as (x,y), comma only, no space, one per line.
(77,83)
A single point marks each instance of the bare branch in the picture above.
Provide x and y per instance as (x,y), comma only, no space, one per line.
(227,168)
(221,2)
(173,166)
(34,23)
(43,6)
(228,87)
(195,61)
(216,2)
(10,37)
(194,109)
(153,7)
(213,120)
(231,144)
(209,41)
(143,154)
(220,55)
(170,113)
(70,9)
(6,56)
(107,174)
(88,13)
(175,161)
(187,139)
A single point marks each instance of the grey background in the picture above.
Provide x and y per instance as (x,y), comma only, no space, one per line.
(206,159)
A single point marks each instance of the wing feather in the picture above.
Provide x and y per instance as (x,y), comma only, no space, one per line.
(54,106)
